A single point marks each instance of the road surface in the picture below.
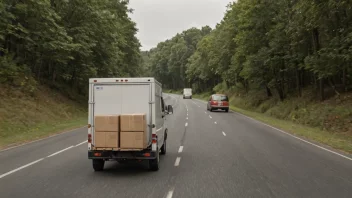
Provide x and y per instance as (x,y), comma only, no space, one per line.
(209,154)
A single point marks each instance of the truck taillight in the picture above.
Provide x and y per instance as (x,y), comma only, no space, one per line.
(154,138)
(89,138)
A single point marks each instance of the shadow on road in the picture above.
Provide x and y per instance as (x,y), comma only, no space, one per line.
(128,169)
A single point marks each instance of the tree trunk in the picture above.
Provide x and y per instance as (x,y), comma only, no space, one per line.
(268,91)
(344,76)
(321,89)
(298,82)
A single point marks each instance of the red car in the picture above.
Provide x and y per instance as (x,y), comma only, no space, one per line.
(218,101)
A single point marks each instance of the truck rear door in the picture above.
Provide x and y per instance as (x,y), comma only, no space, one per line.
(123,99)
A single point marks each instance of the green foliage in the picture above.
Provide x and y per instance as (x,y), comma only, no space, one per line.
(67,42)
(168,62)
(280,47)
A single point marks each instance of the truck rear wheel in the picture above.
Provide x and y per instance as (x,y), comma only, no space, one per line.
(154,163)
(163,148)
(98,164)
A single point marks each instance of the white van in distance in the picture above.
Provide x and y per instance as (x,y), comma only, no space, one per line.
(187,93)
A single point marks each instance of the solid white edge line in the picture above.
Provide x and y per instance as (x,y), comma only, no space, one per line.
(177,162)
(60,151)
(169,194)
(186,124)
(81,143)
(19,168)
(325,149)
(303,140)
(51,136)
(224,133)
(180,149)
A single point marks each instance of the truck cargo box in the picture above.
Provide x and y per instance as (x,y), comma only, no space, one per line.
(141,136)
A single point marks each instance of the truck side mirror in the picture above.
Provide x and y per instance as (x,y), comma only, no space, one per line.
(170,109)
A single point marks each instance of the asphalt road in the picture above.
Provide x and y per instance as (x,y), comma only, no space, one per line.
(209,154)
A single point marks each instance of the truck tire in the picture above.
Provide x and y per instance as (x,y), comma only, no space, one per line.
(154,163)
(98,164)
(163,148)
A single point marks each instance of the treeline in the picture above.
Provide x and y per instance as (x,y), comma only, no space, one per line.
(168,61)
(278,46)
(63,43)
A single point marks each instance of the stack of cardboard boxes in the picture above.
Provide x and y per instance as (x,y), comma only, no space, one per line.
(133,131)
(107,131)
(128,131)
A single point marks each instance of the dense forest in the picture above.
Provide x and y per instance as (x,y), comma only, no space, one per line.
(62,43)
(280,47)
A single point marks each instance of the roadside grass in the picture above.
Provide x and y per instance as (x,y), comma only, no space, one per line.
(333,137)
(26,117)
(340,141)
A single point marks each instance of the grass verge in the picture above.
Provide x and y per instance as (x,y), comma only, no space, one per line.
(42,130)
(26,117)
(335,140)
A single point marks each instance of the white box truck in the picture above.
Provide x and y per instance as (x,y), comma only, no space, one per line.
(116,96)
(187,93)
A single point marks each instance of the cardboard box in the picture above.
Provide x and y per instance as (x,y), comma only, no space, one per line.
(106,123)
(133,140)
(133,123)
(106,139)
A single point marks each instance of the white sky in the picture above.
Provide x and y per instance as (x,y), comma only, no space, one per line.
(158,20)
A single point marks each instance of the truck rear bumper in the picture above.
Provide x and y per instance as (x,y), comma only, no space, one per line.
(121,155)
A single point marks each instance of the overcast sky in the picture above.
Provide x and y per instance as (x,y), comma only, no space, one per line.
(158,20)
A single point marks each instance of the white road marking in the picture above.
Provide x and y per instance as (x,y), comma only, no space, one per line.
(186,124)
(215,123)
(60,151)
(205,112)
(22,167)
(210,117)
(169,194)
(325,149)
(81,143)
(41,139)
(177,162)
(187,118)
(224,133)
(180,149)
(159,129)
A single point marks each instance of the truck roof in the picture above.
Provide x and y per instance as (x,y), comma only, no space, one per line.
(133,80)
